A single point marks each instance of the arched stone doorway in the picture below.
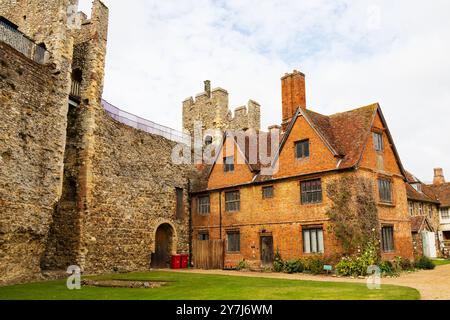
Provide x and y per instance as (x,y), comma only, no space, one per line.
(163,246)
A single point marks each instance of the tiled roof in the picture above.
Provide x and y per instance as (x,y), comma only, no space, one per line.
(427,194)
(442,193)
(344,133)
(347,132)
(424,196)
(416,223)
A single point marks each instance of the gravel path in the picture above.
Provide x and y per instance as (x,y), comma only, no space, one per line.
(432,284)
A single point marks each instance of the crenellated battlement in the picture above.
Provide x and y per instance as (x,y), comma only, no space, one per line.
(211,107)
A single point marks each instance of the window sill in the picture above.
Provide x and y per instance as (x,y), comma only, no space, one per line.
(386,204)
(307,205)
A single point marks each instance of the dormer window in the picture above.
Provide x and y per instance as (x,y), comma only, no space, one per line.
(302,149)
(378,141)
(417,187)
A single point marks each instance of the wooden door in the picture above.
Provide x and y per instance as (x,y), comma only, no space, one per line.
(161,257)
(266,250)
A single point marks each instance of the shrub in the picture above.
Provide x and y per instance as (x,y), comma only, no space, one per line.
(242,265)
(314,264)
(386,268)
(424,263)
(357,265)
(278,263)
(351,266)
(294,266)
(402,264)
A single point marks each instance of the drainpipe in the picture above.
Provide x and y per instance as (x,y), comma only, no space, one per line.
(220,214)
(190,222)
(220,226)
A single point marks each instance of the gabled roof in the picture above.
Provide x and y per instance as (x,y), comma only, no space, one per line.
(442,193)
(244,148)
(427,194)
(420,223)
(345,134)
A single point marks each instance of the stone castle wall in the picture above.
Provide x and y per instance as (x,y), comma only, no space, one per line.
(32,135)
(133,192)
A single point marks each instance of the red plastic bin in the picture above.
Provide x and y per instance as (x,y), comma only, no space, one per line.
(176,261)
(184,261)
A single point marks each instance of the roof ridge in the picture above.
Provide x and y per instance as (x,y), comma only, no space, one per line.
(373,105)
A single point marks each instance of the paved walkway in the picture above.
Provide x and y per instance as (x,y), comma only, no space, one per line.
(432,284)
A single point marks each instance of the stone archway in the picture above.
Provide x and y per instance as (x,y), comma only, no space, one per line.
(164,245)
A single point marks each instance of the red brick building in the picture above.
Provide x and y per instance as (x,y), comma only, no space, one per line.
(257,215)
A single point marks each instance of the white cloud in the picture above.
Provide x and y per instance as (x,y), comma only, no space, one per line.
(353,53)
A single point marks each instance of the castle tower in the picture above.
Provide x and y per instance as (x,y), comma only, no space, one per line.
(211,108)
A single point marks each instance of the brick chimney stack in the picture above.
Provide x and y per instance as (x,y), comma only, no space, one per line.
(293,95)
(438,176)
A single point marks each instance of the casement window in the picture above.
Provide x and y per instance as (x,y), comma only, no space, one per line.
(420,209)
(387,238)
(411,208)
(378,141)
(267,192)
(232,201)
(203,205)
(302,149)
(311,191)
(179,203)
(203,235)
(228,164)
(430,211)
(385,190)
(313,240)
(233,241)
(445,214)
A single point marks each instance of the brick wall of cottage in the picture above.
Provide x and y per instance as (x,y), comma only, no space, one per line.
(284,216)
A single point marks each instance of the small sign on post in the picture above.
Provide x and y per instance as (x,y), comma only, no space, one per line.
(327,268)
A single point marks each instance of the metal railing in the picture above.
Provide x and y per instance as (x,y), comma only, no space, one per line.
(144,125)
(22,43)
(75,89)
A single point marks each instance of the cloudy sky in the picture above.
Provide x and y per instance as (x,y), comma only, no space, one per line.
(353,53)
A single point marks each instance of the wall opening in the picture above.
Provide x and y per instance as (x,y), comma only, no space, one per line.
(163,246)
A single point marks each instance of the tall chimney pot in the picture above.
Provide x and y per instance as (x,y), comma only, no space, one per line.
(293,95)
(438,176)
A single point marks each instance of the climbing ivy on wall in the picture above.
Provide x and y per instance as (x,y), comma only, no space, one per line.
(353,213)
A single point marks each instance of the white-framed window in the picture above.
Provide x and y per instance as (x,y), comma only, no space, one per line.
(420,209)
(313,240)
(411,208)
(445,214)
(203,205)
(232,201)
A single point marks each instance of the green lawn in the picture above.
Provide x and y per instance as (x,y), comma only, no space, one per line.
(439,262)
(184,286)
